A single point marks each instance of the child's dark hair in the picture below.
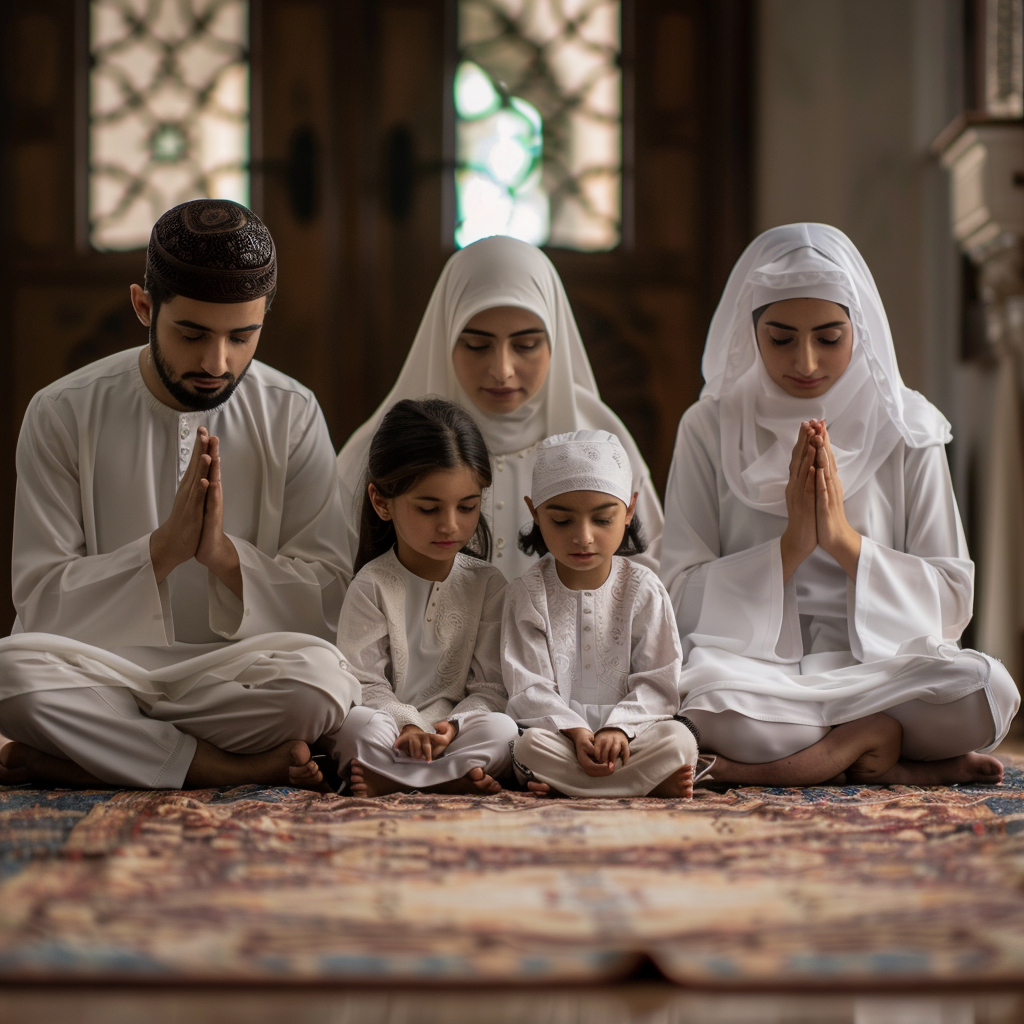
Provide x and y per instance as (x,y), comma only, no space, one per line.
(416,438)
(531,540)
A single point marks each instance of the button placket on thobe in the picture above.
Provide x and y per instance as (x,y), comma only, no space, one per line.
(188,426)
(432,603)
(587,646)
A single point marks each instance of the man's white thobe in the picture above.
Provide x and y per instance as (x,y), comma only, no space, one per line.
(100,459)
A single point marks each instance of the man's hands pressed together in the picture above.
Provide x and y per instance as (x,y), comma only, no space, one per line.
(194,528)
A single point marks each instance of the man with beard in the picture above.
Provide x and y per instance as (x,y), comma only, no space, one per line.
(175,568)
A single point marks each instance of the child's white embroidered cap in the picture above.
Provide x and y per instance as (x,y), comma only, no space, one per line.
(583,460)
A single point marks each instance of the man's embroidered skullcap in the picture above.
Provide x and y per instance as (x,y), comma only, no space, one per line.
(212,250)
(583,460)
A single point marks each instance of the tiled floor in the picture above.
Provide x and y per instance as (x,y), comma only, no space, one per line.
(629,1004)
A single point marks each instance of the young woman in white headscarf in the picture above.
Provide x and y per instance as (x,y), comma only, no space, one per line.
(813,549)
(499,338)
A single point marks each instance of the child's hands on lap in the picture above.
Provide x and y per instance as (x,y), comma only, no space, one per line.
(412,740)
(610,745)
(444,733)
(586,752)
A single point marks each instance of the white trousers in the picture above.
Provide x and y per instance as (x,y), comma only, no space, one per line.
(483,741)
(930,731)
(654,754)
(110,718)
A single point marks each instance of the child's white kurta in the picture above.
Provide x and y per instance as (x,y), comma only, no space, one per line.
(425,652)
(594,659)
(99,463)
(822,649)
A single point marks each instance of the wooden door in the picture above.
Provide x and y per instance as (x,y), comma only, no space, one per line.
(353,132)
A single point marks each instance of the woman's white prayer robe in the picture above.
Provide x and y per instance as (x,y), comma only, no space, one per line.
(99,463)
(424,652)
(594,659)
(822,648)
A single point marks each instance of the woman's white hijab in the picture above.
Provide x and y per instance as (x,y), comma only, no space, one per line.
(868,410)
(499,271)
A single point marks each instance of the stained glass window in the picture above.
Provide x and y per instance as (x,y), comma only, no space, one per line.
(168,111)
(538,103)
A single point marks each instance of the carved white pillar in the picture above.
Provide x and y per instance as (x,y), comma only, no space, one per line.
(986,164)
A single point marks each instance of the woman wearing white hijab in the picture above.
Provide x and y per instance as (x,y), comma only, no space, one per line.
(813,548)
(498,337)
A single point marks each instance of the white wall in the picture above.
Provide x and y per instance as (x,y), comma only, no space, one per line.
(850,94)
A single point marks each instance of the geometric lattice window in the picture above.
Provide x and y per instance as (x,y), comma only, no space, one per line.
(168,111)
(538,102)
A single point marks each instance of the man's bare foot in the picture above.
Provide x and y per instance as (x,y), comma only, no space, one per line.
(866,749)
(678,785)
(287,764)
(13,770)
(364,781)
(21,763)
(980,769)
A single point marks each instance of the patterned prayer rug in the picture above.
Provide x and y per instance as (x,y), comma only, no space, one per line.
(836,887)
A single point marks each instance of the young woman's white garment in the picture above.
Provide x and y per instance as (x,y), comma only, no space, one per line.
(594,659)
(426,651)
(770,666)
(491,273)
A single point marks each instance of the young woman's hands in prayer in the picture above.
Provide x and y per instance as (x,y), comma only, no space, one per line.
(610,745)
(835,534)
(586,753)
(800,537)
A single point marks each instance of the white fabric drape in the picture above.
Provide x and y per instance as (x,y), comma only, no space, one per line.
(495,272)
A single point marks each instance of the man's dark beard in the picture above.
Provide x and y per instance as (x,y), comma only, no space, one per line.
(180,393)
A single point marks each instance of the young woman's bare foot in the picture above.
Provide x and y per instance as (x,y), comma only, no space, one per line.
(678,785)
(287,764)
(865,750)
(21,763)
(364,781)
(981,769)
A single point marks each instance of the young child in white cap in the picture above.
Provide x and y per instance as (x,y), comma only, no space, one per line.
(590,650)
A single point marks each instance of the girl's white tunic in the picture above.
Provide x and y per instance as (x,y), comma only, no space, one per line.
(493,272)
(425,651)
(590,659)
